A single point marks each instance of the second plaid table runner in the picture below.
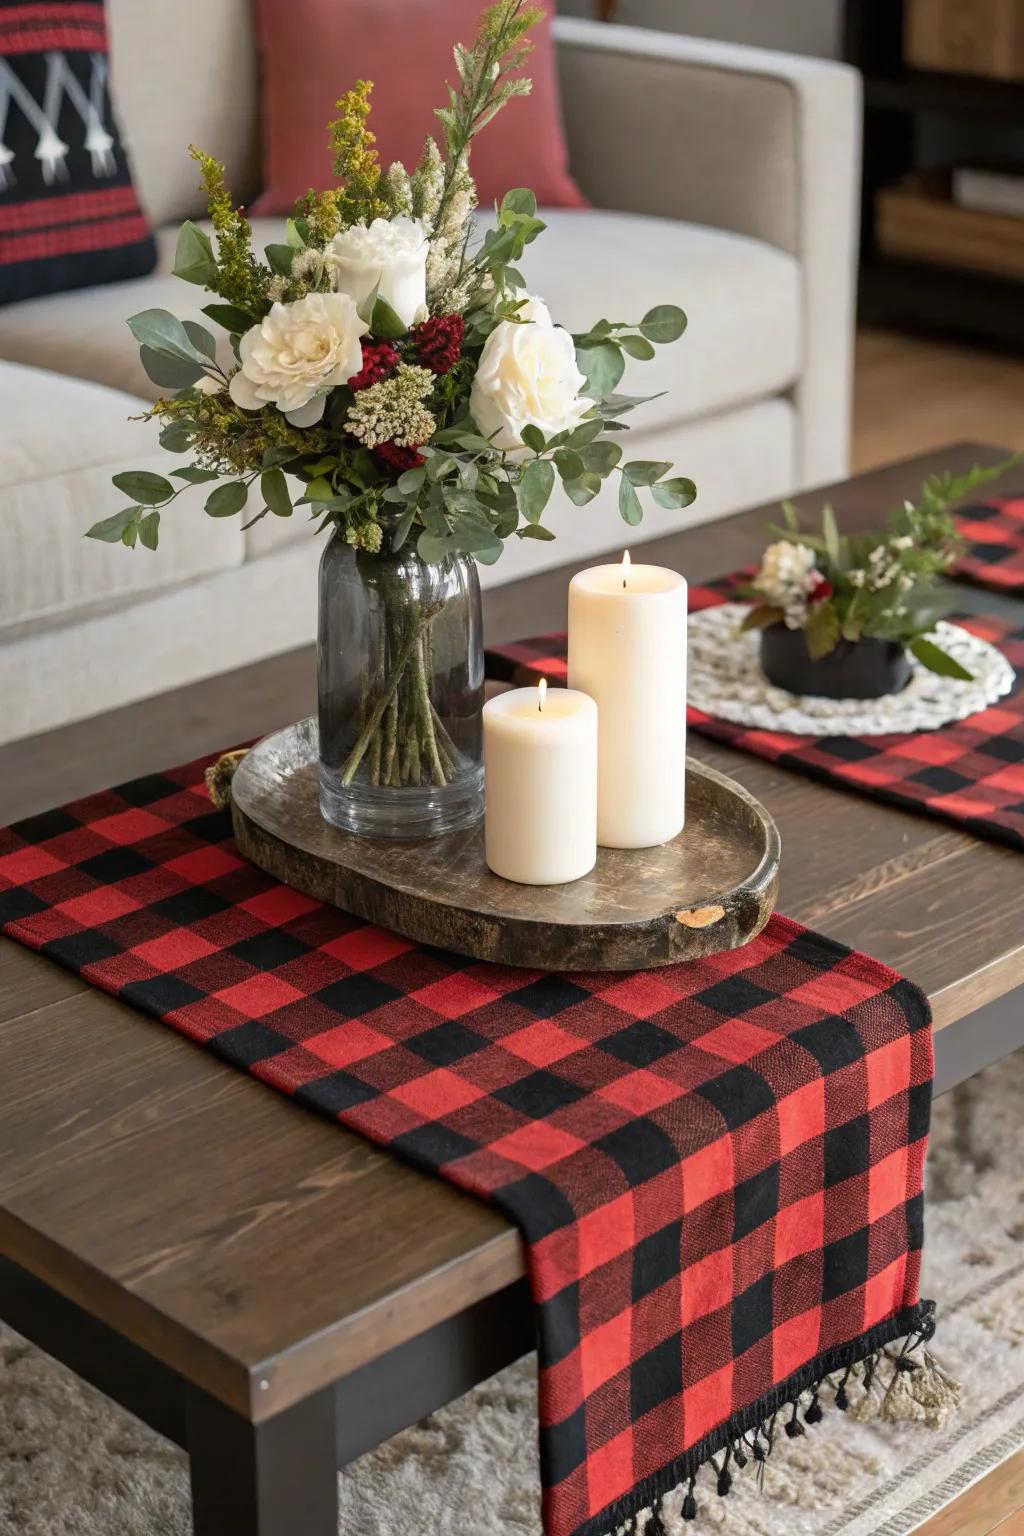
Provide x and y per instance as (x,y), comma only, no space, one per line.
(716,1168)
(994,536)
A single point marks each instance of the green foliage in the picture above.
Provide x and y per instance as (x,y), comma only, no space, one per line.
(887,584)
(936,660)
(468,495)
(355,160)
(238,277)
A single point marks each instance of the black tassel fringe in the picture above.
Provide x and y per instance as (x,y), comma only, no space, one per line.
(751,1435)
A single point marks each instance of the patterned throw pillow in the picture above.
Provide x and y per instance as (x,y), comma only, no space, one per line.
(69,216)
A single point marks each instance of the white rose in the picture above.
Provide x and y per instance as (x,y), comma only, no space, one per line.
(527,376)
(389,254)
(297,354)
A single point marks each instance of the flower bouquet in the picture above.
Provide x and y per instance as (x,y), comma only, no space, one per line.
(839,614)
(387,372)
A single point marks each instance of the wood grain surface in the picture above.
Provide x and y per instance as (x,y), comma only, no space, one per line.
(711,888)
(241,1239)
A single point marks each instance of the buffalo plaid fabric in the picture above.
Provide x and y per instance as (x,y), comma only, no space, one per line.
(994,534)
(716,1167)
(970,773)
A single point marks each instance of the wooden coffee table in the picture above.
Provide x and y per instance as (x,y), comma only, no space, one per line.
(268,1290)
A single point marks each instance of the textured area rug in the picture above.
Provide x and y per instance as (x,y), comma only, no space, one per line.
(72,1464)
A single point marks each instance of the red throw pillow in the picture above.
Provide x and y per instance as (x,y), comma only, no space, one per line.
(313,50)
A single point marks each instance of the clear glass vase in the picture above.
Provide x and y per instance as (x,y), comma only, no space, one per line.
(401,679)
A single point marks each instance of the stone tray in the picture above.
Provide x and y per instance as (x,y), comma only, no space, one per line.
(712,888)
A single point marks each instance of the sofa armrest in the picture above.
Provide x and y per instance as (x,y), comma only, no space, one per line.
(764,144)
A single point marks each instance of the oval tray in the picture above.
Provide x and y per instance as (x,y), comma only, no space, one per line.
(712,888)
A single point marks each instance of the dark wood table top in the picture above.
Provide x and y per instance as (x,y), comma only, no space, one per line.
(263,1252)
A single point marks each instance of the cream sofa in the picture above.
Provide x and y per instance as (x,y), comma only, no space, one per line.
(721,178)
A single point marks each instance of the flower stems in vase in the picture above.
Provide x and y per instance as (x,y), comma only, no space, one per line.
(402,738)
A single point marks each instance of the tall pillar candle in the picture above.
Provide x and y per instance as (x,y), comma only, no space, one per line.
(627,650)
(540,769)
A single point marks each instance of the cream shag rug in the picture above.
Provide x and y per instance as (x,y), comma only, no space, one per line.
(73,1464)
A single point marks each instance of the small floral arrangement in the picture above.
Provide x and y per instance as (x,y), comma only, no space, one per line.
(387,358)
(885,585)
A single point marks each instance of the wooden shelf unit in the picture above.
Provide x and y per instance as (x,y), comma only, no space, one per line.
(897,101)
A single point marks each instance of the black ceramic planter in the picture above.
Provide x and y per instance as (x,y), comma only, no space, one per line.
(856,669)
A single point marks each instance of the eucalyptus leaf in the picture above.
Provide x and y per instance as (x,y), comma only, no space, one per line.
(319,489)
(200,338)
(227,499)
(630,509)
(534,489)
(144,487)
(431,548)
(585,433)
(296,232)
(638,347)
(163,332)
(569,464)
(176,436)
(231,317)
(534,438)
(676,493)
(149,530)
(110,529)
(664,323)
(536,531)
(194,260)
(410,480)
(645,471)
(583,490)
(401,529)
(601,458)
(193,475)
(274,487)
(169,372)
(279,259)
(602,366)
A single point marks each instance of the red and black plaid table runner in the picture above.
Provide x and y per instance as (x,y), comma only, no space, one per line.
(716,1167)
(994,535)
(970,773)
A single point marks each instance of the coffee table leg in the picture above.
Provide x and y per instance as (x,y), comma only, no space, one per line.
(271,1479)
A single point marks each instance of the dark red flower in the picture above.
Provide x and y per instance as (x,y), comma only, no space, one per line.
(397,458)
(823,590)
(379,359)
(438,342)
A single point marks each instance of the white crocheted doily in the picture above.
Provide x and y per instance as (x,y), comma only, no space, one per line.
(725,680)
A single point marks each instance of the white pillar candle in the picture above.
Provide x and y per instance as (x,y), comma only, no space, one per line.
(540,768)
(627,649)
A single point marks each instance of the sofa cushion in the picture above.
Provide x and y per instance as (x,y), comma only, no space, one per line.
(742,297)
(69,216)
(63,440)
(312,49)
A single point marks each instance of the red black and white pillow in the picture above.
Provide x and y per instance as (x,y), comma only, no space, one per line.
(69,216)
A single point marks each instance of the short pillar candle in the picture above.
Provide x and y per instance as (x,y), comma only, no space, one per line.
(627,650)
(540,775)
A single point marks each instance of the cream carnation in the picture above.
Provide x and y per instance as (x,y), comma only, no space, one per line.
(297,354)
(527,376)
(390,255)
